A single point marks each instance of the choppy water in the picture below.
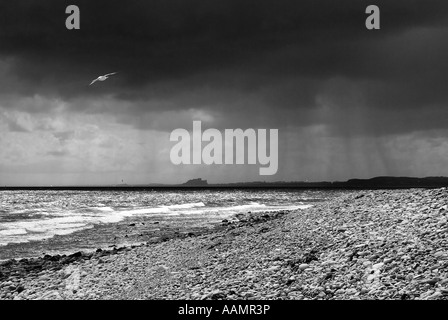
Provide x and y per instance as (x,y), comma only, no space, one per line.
(34,216)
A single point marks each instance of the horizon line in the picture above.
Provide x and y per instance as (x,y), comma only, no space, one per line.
(184,184)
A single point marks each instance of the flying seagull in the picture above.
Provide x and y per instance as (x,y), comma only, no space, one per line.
(102,78)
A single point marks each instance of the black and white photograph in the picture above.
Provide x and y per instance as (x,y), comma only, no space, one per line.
(249,151)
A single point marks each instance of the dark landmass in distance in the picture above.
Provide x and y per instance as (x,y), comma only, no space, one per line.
(373,183)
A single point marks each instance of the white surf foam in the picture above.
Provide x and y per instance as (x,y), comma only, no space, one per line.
(11,232)
(67,222)
(185,205)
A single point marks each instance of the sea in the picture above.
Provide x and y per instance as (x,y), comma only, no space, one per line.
(39,222)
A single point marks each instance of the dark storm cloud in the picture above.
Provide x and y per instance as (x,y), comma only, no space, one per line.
(213,54)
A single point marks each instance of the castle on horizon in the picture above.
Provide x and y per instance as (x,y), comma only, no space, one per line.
(196,182)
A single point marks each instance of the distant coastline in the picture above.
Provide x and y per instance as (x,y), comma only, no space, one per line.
(385,182)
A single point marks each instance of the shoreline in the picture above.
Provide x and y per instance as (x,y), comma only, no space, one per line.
(24,267)
(125,235)
(134,227)
(376,244)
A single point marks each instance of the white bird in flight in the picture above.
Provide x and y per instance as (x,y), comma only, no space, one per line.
(102,78)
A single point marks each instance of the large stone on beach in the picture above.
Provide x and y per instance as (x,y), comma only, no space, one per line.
(303,266)
(217,295)
(431,282)
(76,254)
(351,291)
(377,266)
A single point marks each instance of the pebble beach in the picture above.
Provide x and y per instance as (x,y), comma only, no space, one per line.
(362,245)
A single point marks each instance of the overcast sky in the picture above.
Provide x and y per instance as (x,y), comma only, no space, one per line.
(348,102)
